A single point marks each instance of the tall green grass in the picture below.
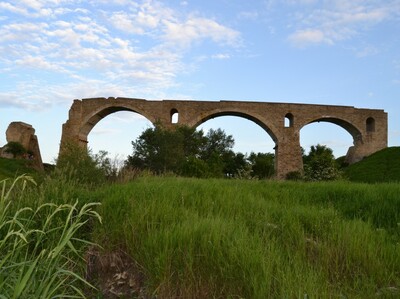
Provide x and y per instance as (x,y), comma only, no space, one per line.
(249,239)
(10,168)
(382,166)
(195,238)
(40,253)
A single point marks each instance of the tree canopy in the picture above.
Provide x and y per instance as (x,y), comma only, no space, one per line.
(320,164)
(189,152)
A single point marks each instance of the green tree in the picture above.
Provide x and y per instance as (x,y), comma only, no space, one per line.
(183,150)
(320,164)
(15,148)
(217,143)
(195,167)
(262,165)
(235,164)
(161,150)
(104,163)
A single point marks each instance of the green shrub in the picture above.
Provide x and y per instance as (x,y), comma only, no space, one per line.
(15,148)
(81,165)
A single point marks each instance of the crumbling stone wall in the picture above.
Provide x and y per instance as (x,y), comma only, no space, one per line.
(24,134)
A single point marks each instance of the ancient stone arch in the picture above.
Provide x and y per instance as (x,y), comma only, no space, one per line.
(252,116)
(282,121)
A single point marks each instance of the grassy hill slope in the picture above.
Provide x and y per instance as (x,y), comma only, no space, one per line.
(169,237)
(10,168)
(383,166)
(255,239)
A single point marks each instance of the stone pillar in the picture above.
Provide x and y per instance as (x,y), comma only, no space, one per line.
(288,156)
(70,129)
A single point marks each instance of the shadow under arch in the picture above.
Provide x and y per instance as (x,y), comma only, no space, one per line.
(346,125)
(252,118)
(91,120)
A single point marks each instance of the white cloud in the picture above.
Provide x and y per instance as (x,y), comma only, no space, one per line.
(338,20)
(221,56)
(13,100)
(196,29)
(307,37)
(124,22)
(13,8)
(85,56)
(37,63)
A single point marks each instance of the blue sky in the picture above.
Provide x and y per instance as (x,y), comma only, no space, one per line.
(336,52)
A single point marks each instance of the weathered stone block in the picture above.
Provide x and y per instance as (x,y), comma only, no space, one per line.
(25,135)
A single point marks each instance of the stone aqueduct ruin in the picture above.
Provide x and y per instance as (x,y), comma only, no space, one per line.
(282,121)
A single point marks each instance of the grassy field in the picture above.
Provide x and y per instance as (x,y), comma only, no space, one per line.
(256,239)
(169,237)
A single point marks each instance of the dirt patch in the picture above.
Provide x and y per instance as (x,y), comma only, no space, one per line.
(115,275)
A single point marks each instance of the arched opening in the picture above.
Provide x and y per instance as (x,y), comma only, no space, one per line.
(174,116)
(336,134)
(248,135)
(115,132)
(251,139)
(370,125)
(289,120)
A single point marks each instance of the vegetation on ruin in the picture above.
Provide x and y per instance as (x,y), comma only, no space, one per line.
(14,148)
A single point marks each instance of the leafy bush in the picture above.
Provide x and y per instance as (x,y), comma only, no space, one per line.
(15,148)
(84,167)
(320,164)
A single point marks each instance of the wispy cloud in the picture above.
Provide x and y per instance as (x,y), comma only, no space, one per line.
(330,22)
(12,100)
(99,48)
(196,29)
(221,56)
(305,37)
